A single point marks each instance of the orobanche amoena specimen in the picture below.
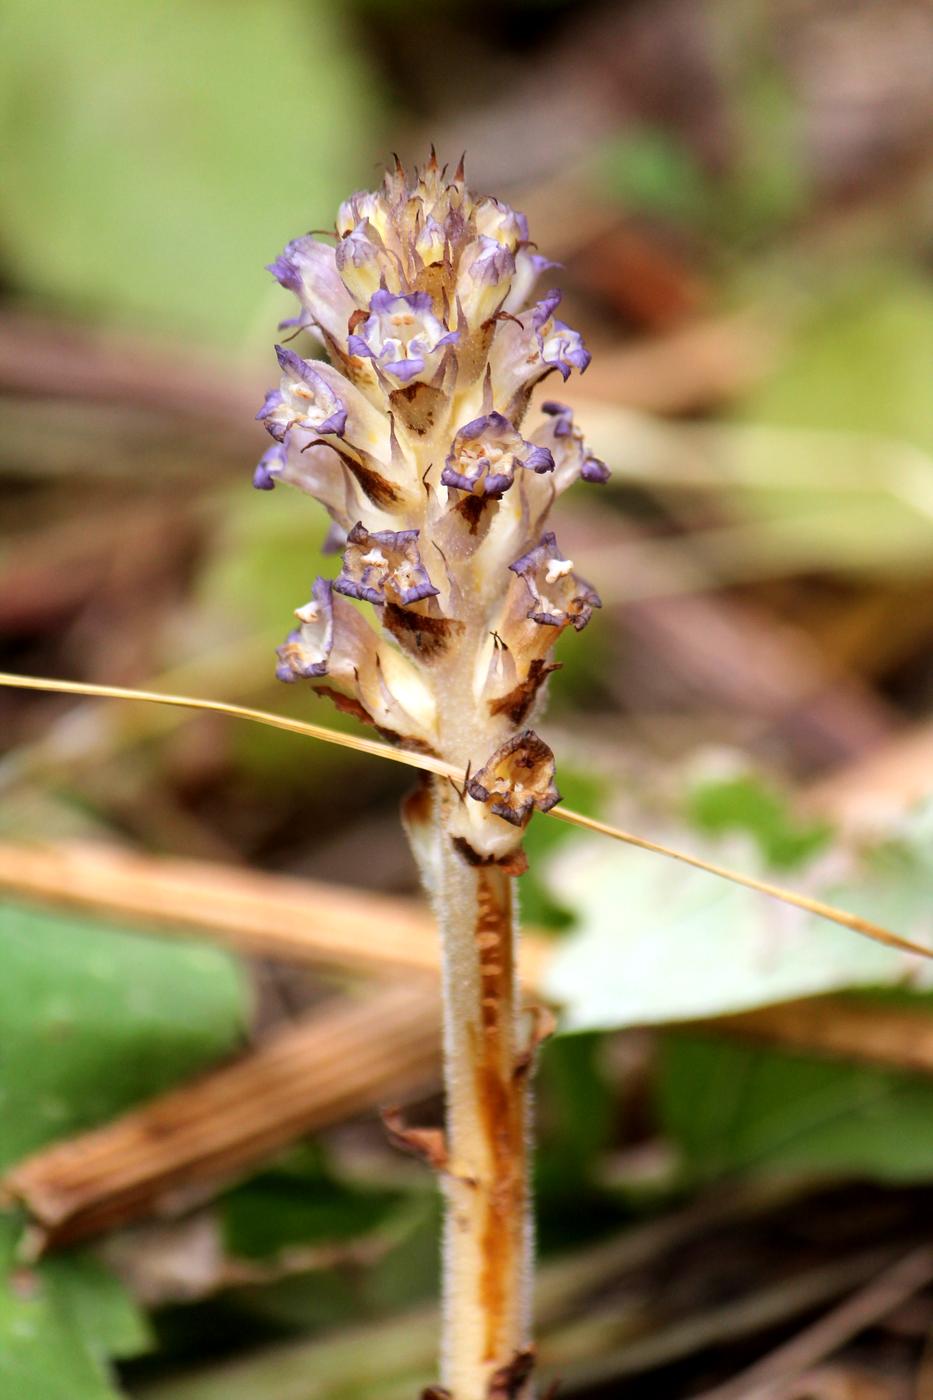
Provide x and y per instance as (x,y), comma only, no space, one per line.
(439,630)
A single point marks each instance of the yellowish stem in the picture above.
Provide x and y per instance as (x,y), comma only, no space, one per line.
(487,1238)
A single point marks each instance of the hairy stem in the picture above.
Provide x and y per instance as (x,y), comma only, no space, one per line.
(487,1243)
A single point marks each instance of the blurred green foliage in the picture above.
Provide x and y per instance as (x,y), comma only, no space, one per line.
(60,1324)
(747,804)
(300,1200)
(94,1019)
(153,154)
(731,1108)
(860,357)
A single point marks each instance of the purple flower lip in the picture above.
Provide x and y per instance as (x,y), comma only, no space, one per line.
(591,468)
(542,264)
(573,355)
(285,267)
(381,566)
(383,301)
(292,364)
(284,670)
(546,308)
(269,467)
(539,460)
(308,269)
(272,401)
(595,470)
(485,483)
(564,415)
(405,369)
(478,469)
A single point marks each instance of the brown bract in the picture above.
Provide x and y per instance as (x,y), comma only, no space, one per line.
(508,1382)
(518,778)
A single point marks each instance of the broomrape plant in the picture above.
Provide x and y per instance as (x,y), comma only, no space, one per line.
(414,440)
(438,629)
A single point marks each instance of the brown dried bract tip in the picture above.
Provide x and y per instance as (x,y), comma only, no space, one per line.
(436,1392)
(543,1024)
(507,1382)
(517,778)
(426,1143)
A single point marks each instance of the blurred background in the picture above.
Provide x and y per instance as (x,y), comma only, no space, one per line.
(737,1125)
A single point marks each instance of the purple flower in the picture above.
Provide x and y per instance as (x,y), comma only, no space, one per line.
(309,465)
(485,453)
(558,595)
(572,456)
(384,566)
(401,335)
(305,399)
(309,269)
(559,346)
(306,650)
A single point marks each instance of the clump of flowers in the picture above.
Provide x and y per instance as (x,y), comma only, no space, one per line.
(439,629)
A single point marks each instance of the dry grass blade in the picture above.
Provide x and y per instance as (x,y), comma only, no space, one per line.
(344,1059)
(273,916)
(429,763)
(866,1032)
(426,762)
(798,901)
(767,1380)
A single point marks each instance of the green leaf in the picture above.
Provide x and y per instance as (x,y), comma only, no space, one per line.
(577,1109)
(729,1107)
(93,1019)
(60,1322)
(155,157)
(657,941)
(746,804)
(299,1201)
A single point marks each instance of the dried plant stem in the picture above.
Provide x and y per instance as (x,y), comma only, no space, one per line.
(345,1058)
(487,1241)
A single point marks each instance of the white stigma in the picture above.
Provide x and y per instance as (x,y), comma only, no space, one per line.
(557,568)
